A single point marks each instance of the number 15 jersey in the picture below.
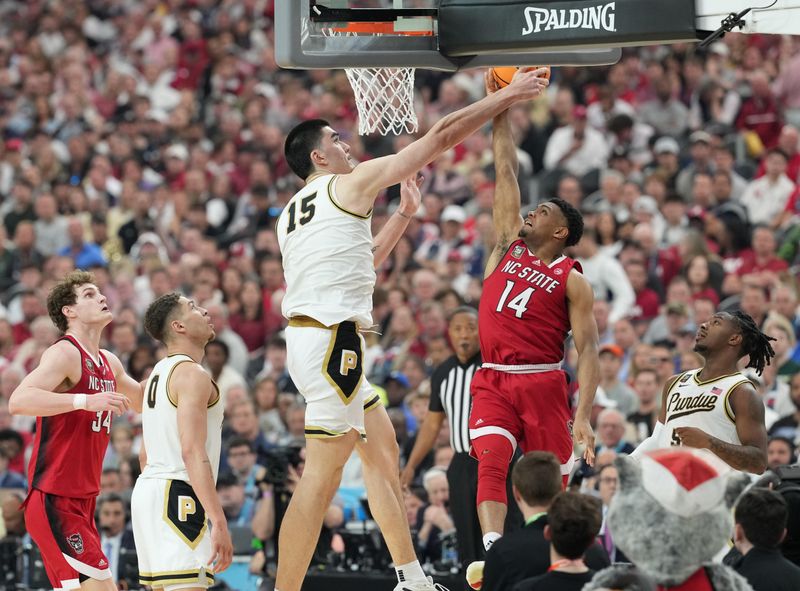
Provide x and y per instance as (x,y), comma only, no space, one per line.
(327,257)
(524,314)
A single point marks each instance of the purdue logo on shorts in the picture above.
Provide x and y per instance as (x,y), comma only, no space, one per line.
(184,513)
(342,367)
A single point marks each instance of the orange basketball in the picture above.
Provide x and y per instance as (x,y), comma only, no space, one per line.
(504,74)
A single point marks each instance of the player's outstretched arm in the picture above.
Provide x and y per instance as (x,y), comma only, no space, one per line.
(507,201)
(394,227)
(359,188)
(194,390)
(584,333)
(428,433)
(59,369)
(125,383)
(751,455)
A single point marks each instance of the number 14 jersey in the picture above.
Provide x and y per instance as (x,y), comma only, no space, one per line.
(524,314)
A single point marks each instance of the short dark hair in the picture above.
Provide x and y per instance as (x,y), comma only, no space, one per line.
(300,142)
(239,441)
(111,498)
(762,513)
(786,440)
(574,221)
(537,477)
(159,313)
(462,310)
(222,345)
(63,294)
(574,520)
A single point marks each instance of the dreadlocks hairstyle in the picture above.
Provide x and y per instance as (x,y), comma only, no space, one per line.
(574,221)
(755,343)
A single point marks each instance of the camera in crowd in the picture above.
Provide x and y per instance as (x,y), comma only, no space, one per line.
(277,465)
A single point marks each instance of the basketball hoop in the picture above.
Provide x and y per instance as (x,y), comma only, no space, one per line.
(384,96)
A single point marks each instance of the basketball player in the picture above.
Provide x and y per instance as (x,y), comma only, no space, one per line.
(182,432)
(329,256)
(533,295)
(73,393)
(716,407)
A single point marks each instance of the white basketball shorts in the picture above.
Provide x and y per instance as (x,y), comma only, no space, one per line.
(326,365)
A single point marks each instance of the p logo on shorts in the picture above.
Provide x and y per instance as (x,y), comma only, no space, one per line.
(184,513)
(342,367)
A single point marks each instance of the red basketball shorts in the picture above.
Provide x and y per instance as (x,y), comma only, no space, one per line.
(531,410)
(64,530)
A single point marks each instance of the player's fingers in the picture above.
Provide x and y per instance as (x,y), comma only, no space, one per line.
(214,557)
(420,180)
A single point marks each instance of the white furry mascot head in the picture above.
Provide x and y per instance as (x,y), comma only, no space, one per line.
(671,515)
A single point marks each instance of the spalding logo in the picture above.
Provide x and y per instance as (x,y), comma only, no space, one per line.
(596,18)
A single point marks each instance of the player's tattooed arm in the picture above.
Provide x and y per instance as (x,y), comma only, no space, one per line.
(751,455)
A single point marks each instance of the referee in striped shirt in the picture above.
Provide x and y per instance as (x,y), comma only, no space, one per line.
(451,399)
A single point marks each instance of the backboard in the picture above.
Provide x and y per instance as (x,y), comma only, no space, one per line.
(309,35)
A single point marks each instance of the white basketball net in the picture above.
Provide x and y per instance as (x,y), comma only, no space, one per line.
(384,98)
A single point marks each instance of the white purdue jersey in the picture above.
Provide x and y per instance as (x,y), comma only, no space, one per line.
(160,426)
(327,257)
(703,405)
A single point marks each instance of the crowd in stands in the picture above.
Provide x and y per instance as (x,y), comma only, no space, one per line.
(143,141)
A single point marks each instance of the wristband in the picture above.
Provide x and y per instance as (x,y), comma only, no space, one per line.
(402,215)
(79,402)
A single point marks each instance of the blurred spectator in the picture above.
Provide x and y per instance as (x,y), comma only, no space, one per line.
(611,432)
(238,507)
(611,357)
(433,519)
(526,553)
(642,421)
(116,536)
(761,517)
(573,522)
(766,198)
(576,148)
(606,275)
(244,424)
(780,452)
(222,373)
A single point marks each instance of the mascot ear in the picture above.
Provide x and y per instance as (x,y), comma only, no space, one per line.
(630,473)
(735,487)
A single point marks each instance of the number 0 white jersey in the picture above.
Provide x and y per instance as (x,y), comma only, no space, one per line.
(160,425)
(327,257)
(703,405)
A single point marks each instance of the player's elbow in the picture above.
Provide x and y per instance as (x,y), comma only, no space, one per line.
(16,404)
(760,465)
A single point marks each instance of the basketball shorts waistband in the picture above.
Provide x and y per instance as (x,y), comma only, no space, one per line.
(522,369)
(308,322)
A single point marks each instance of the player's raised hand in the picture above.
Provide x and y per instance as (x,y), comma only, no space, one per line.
(221,548)
(491,83)
(410,196)
(529,82)
(113,401)
(583,435)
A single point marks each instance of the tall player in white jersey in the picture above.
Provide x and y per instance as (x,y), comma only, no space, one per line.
(716,407)
(175,495)
(329,256)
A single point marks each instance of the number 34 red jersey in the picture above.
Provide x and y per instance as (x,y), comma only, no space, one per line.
(69,448)
(524,316)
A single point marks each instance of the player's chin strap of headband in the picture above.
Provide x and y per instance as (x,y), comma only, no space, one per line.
(650,443)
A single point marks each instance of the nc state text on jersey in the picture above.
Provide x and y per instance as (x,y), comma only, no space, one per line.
(99,385)
(531,276)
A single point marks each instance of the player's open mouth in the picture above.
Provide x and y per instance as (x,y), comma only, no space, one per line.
(527,223)
(105,308)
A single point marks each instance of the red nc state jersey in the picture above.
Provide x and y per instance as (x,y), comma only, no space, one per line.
(523,316)
(69,448)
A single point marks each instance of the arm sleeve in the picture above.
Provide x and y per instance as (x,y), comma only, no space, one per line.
(435,403)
